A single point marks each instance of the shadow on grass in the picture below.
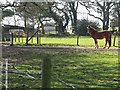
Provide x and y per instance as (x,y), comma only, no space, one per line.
(92,75)
(45,44)
(74,67)
(61,36)
(53,44)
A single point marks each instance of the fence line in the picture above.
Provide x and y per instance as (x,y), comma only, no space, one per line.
(58,79)
(1,65)
(6,72)
(28,74)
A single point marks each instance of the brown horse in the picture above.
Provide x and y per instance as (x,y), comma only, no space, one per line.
(100,35)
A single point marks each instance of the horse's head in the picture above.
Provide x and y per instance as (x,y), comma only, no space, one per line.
(88,29)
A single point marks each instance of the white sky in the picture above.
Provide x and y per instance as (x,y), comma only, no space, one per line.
(82,14)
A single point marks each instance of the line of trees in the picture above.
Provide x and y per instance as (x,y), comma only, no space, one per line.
(62,13)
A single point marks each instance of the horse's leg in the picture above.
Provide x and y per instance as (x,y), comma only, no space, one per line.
(109,41)
(96,43)
(105,44)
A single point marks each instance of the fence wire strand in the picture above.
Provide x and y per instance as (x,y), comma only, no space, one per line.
(29,74)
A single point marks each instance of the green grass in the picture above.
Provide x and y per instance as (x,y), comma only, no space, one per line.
(80,68)
(84,41)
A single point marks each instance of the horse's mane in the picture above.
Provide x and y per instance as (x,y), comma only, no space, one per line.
(92,28)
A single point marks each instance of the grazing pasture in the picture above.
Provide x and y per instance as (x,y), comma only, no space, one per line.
(81,68)
(84,41)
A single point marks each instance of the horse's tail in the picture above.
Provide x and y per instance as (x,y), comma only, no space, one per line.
(113,31)
(110,41)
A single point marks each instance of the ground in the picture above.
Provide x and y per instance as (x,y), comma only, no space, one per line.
(7,49)
(88,67)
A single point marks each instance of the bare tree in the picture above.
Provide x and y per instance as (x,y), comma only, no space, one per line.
(6,13)
(41,10)
(73,6)
(103,8)
(60,15)
(117,13)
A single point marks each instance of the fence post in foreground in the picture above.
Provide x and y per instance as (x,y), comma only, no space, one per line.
(46,72)
(6,71)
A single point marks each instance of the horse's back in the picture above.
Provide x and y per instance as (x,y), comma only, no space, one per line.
(103,34)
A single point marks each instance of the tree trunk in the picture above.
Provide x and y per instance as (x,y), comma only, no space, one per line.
(3,35)
(43,30)
(61,27)
(106,14)
(105,20)
(75,21)
(25,24)
(73,16)
(119,22)
(7,37)
(66,21)
(104,17)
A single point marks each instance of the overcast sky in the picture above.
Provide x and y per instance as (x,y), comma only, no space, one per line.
(82,14)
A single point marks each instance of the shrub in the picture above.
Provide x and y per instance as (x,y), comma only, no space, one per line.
(82,24)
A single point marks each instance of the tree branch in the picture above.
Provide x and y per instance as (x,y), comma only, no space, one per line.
(102,7)
(87,8)
(96,17)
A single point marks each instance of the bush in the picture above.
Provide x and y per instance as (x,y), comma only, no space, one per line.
(82,24)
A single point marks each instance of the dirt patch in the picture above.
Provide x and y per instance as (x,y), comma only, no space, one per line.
(8,50)
(16,54)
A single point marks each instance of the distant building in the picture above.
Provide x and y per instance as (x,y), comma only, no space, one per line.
(16,31)
(49,27)
(12,28)
(7,29)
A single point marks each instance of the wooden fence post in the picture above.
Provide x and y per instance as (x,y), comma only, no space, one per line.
(12,39)
(37,38)
(22,38)
(40,39)
(46,72)
(78,40)
(15,37)
(18,37)
(118,43)
(114,39)
(27,38)
(32,40)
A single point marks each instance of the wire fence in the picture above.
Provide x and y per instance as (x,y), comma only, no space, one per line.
(39,39)
(44,39)
(10,74)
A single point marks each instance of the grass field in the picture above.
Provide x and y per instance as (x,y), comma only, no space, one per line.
(80,68)
(84,41)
